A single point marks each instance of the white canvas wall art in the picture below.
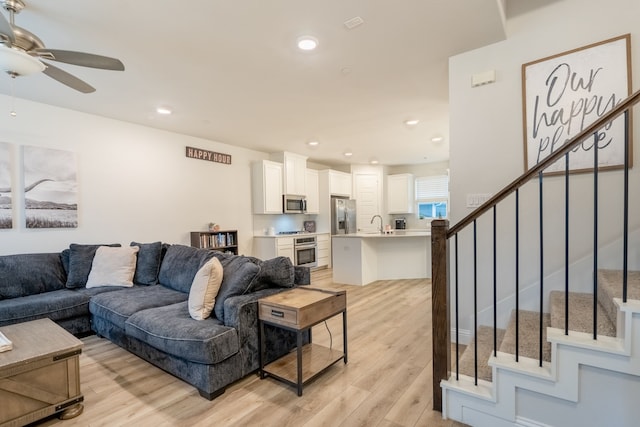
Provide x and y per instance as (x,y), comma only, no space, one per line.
(50,188)
(6,170)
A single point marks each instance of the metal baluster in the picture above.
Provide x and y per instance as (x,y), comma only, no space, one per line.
(517,272)
(457,325)
(625,234)
(495,288)
(541,260)
(475,303)
(566,245)
(595,236)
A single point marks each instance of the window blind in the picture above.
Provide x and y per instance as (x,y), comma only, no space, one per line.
(432,187)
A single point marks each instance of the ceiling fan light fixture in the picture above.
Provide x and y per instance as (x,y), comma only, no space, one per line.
(18,63)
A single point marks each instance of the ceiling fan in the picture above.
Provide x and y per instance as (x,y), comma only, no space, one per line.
(21,53)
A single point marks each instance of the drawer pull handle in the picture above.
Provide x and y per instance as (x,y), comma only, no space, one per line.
(277,313)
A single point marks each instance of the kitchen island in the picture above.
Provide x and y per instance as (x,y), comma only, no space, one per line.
(362,258)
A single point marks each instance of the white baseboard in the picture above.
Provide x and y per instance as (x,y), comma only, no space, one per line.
(464,336)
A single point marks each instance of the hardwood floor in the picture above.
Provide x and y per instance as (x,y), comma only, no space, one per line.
(386,383)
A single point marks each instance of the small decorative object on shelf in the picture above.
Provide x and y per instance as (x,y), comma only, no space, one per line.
(214,227)
(219,240)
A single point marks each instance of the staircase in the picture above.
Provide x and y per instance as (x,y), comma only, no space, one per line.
(508,392)
(575,360)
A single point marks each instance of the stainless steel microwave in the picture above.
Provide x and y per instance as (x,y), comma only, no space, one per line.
(294,204)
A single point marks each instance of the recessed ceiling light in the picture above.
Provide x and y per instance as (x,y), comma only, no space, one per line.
(307,43)
(374,161)
(313,143)
(348,153)
(411,122)
(164,110)
(437,138)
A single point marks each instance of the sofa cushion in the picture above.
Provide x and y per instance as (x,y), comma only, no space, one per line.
(56,305)
(113,267)
(180,265)
(172,330)
(117,306)
(204,289)
(238,273)
(148,264)
(275,272)
(28,274)
(80,260)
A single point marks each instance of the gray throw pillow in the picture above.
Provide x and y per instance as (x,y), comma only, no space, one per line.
(180,265)
(237,274)
(30,274)
(274,272)
(80,260)
(148,263)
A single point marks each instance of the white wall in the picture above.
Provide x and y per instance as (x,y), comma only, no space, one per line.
(487,147)
(135,183)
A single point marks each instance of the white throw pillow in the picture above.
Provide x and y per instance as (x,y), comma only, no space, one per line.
(113,266)
(204,289)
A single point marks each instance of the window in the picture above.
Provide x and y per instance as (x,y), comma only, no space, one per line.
(432,196)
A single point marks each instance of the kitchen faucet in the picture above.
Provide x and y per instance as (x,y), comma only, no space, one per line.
(374,217)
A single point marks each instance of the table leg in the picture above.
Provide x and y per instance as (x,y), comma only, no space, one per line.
(261,348)
(299,349)
(344,334)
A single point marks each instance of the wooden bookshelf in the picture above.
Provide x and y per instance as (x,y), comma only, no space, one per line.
(223,240)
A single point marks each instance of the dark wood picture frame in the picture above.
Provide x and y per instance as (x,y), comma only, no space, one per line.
(564,93)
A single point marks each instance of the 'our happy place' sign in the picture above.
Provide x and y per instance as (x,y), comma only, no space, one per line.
(567,92)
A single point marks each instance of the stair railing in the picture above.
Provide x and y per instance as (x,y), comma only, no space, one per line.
(442,234)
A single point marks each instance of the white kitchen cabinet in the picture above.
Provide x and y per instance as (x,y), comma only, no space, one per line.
(400,193)
(313,193)
(266,187)
(324,249)
(268,247)
(293,173)
(284,247)
(339,182)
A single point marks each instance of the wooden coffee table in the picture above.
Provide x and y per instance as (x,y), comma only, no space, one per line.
(299,310)
(41,375)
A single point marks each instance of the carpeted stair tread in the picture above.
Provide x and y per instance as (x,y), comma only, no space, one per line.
(484,339)
(580,313)
(529,335)
(610,287)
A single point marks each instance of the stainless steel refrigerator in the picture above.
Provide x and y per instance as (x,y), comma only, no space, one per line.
(343,216)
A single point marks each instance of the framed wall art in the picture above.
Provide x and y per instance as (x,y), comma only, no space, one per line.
(50,188)
(6,170)
(565,93)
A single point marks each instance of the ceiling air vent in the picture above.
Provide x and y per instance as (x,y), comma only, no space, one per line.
(353,22)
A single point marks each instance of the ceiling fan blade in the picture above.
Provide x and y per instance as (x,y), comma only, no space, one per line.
(81,58)
(6,32)
(68,79)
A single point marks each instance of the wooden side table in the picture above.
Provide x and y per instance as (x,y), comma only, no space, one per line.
(299,310)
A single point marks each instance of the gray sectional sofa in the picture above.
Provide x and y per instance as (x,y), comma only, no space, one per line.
(151,318)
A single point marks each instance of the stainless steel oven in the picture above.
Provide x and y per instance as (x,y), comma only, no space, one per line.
(305,251)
